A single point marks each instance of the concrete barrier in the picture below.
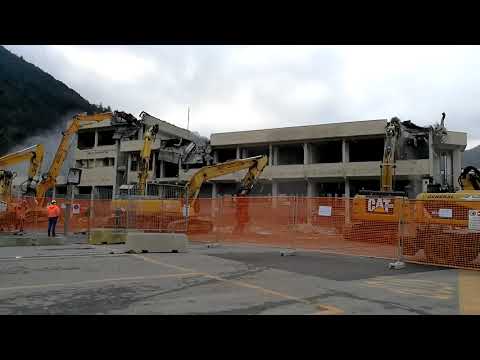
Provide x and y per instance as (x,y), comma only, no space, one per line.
(156,242)
(30,240)
(106,236)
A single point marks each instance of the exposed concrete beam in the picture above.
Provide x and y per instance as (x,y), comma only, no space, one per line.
(337,130)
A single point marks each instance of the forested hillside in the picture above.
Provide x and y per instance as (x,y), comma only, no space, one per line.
(472,157)
(32,101)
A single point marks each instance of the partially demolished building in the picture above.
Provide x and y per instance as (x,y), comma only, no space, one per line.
(318,160)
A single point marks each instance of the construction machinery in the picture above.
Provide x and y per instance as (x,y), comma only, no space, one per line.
(386,207)
(448,223)
(383,205)
(187,203)
(33,154)
(145,155)
(49,179)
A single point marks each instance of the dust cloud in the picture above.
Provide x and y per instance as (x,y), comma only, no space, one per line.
(50,139)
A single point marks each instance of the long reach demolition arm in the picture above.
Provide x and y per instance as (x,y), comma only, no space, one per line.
(148,140)
(255,166)
(49,180)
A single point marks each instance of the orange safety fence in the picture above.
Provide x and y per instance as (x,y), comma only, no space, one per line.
(444,233)
(293,222)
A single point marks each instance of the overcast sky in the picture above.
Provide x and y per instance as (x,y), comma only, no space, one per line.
(233,88)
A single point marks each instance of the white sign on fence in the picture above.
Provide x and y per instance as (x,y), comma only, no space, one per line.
(76,209)
(474,219)
(325,211)
(445,213)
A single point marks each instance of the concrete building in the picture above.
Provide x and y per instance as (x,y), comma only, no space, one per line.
(108,164)
(335,159)
(318,160)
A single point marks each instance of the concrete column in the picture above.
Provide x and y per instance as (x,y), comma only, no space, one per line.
(129,164)
(92,203)
(244,153)
(270,155)
(54,192)
(347,201)
(153,165)
(456,166)
(310,188)
(96,139)
(347,187)
(238,152)
(140,133)
(310,195)
(306,153)
(116,184)
(215,156)
(430,154)
(214,190)
(275,155)
(274,188)
(162,169)
(345,151)
(274,194)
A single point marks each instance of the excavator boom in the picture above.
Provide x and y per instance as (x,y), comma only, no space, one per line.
(148,140)
(48,181)
(34,154)
(255,166)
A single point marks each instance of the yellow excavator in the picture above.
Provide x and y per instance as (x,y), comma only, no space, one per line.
(384,206)
(33,154)
(145,154)
(176,207)
(49,180)
(448,224)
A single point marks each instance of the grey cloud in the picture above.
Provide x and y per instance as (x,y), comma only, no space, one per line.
(205,75)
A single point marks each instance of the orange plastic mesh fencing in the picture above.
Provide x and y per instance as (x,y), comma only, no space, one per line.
(294,222)
(438,232)
(443,232)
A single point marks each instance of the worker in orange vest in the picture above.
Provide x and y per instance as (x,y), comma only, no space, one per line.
(20,211)
(53,212)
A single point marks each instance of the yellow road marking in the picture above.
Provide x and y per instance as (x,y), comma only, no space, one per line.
(469,292)
(416,287)
(331,310)
(41,286)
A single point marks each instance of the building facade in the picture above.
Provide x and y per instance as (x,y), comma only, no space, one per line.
(335,159)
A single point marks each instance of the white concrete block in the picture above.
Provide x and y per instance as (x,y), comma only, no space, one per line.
(156,242)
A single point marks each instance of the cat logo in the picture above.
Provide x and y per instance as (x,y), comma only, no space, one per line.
(380,205)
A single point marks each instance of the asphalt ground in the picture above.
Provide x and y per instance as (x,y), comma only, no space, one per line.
(78,278)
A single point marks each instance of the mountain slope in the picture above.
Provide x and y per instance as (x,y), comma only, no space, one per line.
(472,157)
(32,101)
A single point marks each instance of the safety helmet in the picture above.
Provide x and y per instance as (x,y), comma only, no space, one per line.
(53,202)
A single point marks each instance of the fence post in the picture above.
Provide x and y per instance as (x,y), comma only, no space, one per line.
(291,251)
(399,264)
